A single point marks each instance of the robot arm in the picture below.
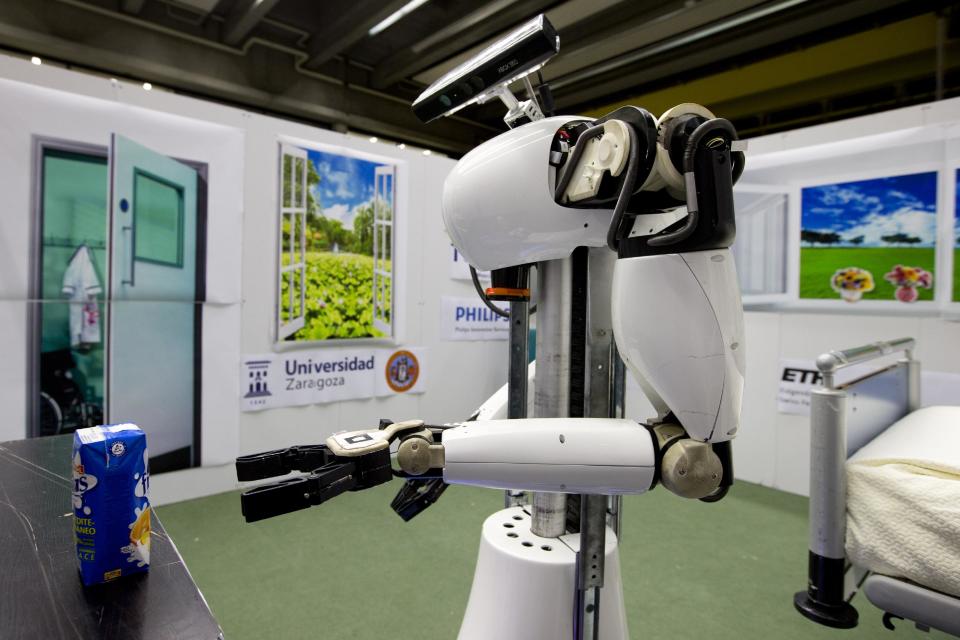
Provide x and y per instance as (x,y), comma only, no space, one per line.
(564,455)
(659,193)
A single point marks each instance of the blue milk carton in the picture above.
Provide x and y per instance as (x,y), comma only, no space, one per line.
(111,505)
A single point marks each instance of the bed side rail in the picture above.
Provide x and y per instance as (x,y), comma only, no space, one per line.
(869,404)
(831,362)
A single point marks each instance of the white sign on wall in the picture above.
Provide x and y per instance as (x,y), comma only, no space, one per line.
(797,379)
(470,319)
(328,375)
(460,268)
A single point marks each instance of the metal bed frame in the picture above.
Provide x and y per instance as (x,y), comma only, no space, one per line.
(843,418)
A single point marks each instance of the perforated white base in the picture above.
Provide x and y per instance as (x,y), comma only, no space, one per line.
(523,586)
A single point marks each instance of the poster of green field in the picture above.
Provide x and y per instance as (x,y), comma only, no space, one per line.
(870,239)
(337,255)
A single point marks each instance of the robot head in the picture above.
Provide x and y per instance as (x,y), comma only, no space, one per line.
(500,203)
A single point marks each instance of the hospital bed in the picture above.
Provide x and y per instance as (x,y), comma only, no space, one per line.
(884,495)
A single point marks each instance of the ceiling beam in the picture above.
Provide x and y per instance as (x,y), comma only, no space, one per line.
(133,6)
(633,25)
(845,65)
(674,58)
(488,20)
(347,29)
(830,86)
(243,17)
(110,43)
(607,23)
(674,44)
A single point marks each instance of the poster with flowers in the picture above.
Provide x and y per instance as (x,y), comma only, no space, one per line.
(869,239)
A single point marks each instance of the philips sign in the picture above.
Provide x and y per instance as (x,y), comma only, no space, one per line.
(470,319)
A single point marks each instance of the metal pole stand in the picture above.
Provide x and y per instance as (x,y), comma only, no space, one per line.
(533,580)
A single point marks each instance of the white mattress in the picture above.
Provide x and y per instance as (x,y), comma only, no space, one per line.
(903,500)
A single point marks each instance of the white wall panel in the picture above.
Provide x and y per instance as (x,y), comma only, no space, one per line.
(241,149)
(757,437)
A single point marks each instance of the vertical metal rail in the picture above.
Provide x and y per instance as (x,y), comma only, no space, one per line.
(603,392)
(590,566)
(618,394)
(517,379)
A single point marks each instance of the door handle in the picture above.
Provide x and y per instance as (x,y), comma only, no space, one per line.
(131,264)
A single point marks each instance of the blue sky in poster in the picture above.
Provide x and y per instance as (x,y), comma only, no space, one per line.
(874,208)
(346,183)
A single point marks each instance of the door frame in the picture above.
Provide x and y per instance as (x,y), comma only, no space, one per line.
(40,144)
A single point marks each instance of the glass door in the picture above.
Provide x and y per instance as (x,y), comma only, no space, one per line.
(68,287)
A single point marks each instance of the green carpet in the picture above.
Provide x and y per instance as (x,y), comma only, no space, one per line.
(351,569)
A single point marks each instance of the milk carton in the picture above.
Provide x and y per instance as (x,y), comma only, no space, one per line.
(111,507)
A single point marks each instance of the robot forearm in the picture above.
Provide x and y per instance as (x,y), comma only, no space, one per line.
(580,455)
(565,455)
(569,455)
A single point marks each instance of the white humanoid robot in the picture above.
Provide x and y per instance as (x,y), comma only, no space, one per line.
(652,200)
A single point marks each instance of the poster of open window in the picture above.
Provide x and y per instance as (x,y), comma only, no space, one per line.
(869,239)
(336,246)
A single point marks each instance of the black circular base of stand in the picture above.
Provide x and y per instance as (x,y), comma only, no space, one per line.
(842,616)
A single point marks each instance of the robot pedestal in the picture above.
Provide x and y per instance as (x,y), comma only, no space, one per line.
(523,586)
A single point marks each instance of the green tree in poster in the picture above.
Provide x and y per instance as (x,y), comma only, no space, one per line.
(317,238)
(900,238)
(857,241)
(363,230)
(335,234)
(818,237)
(809,237)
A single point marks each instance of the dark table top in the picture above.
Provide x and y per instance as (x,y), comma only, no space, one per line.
(41,595)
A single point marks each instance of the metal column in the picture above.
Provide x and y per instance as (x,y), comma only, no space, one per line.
(551,389)
(824,600)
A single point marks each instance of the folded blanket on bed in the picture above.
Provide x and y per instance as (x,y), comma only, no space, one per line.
(903,501)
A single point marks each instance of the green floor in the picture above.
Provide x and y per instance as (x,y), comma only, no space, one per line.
(351,569)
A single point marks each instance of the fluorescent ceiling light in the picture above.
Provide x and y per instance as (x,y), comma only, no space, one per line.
(35,60)
(147,86)
(401,146)
(427,152)
(396,15)
(374,138)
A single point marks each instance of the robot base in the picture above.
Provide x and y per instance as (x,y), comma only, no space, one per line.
(523,586)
